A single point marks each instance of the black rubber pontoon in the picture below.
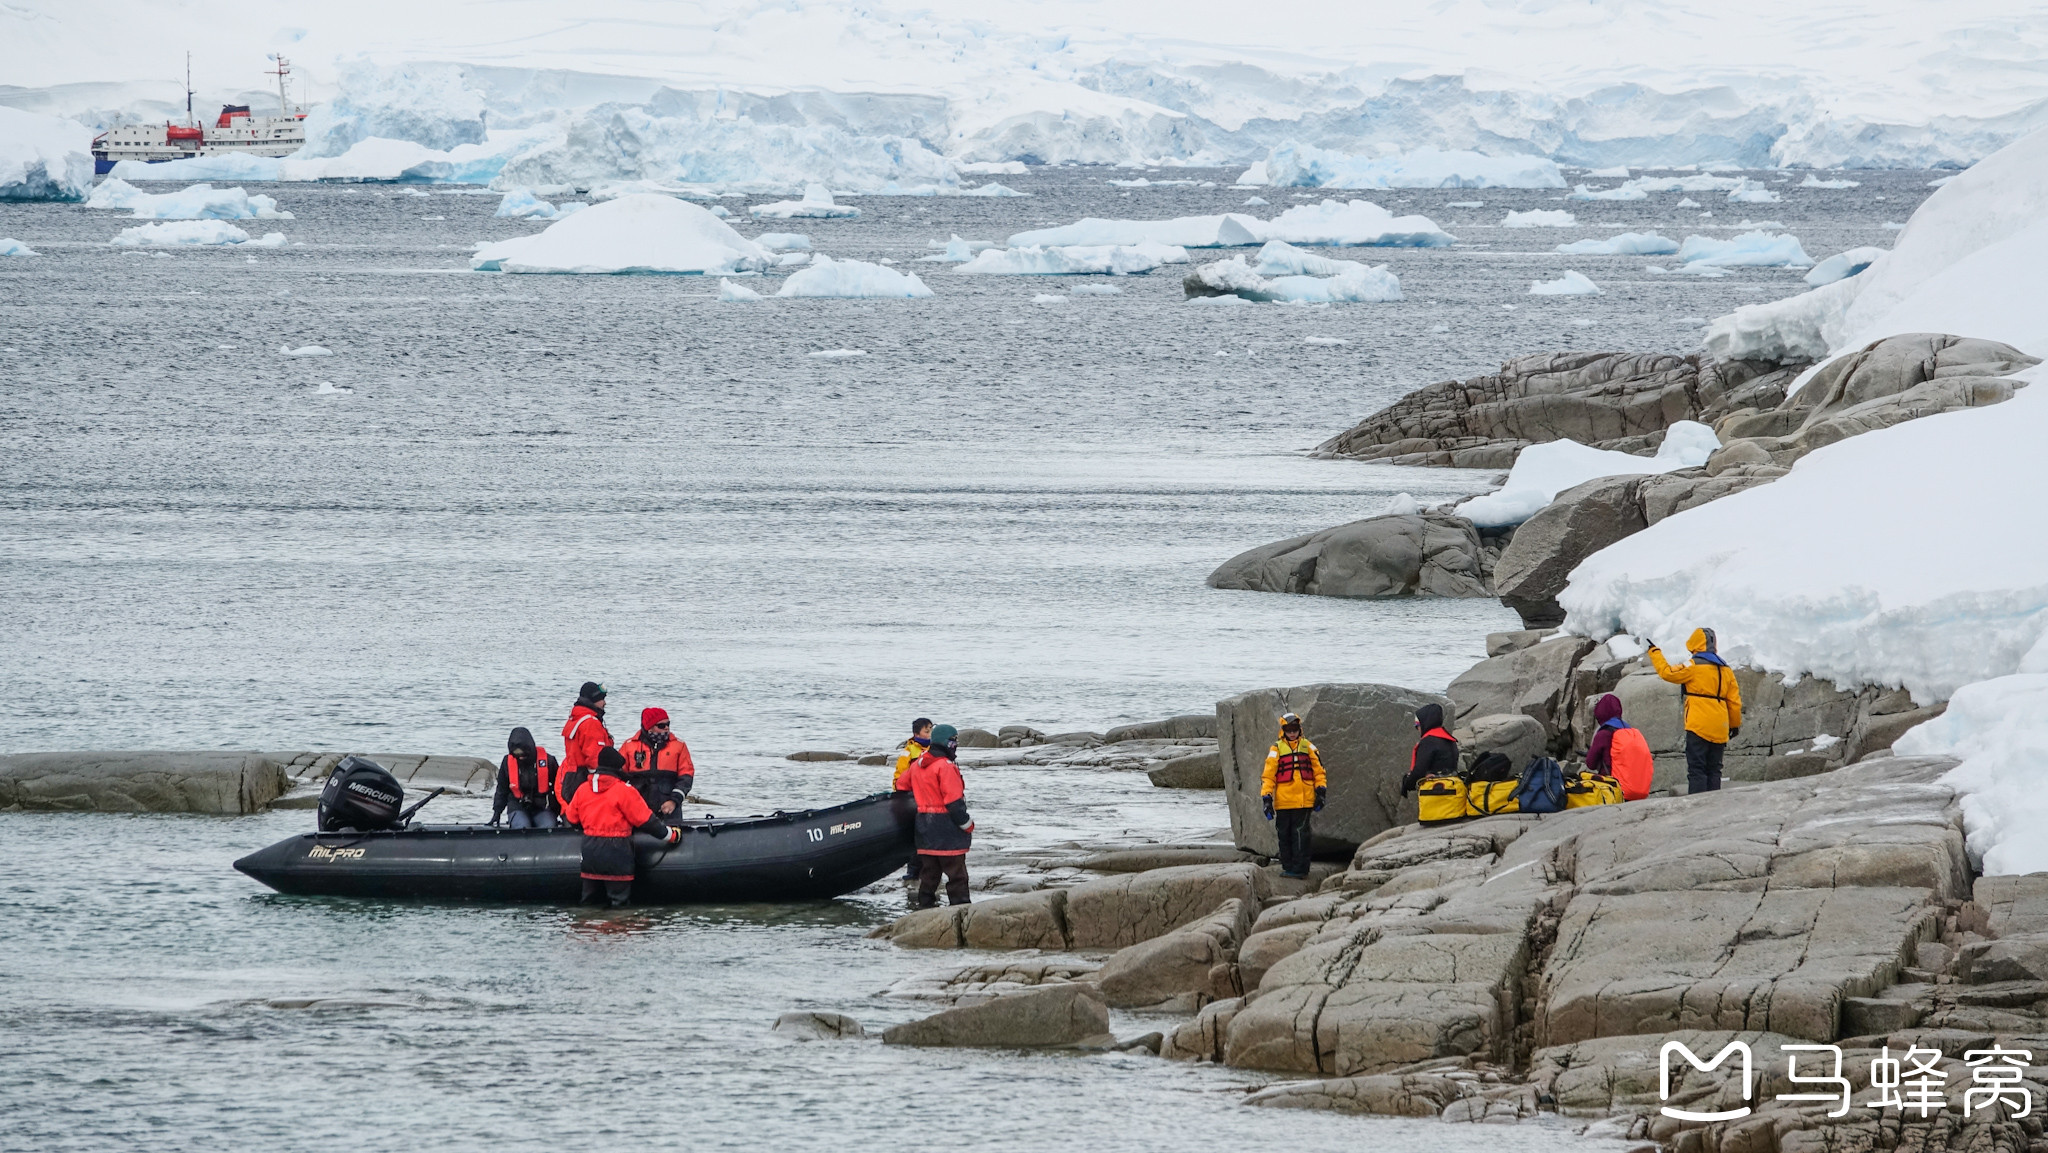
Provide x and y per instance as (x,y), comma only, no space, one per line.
(808,855)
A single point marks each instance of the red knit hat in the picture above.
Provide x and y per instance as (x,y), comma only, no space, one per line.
(652,717)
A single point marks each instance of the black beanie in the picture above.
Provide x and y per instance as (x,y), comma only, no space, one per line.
(610,760)
(590,692)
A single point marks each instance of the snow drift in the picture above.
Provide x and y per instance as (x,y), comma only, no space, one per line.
(641,233)
(1541,471)
(1999,729)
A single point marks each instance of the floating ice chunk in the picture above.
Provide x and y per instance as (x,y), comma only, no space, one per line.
(1842,265)
(522,204)
(1297,165)
(1279,258)
(43,157)
(1357,284)
(1096,290)
(827,277)
(268,240)
(1620,192)
(1254,177)
(784,241)
(199,202)
(838,353)
(1697,183)
(329,388)
(1813,180)
(1608,174)
(1049,298)
(640,233)
(993,168)
(956,250)
(1358,222)
(187,232)
(1326,342)
(1625,244)
(12,247)
(1074,260)
(732,293)
(1223,231)
(306,350)
(817,204)
(1570,284)
(1748,250)
(1543,470)
(1539,218)
(1256,202)
(1754,196)
(1465,204)
(1778,224)
(1142,182)
(992,189)
(1688,202)
(798,260)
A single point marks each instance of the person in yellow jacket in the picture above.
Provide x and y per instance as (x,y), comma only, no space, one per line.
(918,745)
(1713,708)
(1292,787)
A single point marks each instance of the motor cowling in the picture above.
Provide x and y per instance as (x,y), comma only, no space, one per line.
(360,794)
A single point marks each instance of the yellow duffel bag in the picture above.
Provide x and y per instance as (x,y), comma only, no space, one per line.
(1440,799)
(1486,798)
(1589,788)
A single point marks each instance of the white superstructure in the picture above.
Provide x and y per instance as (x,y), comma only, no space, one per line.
(236,130)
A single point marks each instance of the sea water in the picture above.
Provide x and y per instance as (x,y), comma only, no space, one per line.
(498,487)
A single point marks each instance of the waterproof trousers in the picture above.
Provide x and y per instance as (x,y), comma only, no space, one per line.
(520,817)
(929,866)
(1702,764)
(613,893)
(1292,825)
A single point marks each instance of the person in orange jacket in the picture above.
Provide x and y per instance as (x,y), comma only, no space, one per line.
(1292,787)
(1618,750)
(944,830)
(1713,708)
(583,734)
(658,763)
(526,784)
(608,809)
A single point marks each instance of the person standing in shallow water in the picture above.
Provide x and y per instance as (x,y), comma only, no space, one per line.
(944,829)
(1713,708)
(1292,788)
(609,809)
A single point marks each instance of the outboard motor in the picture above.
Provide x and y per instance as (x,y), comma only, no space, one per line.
(362,795)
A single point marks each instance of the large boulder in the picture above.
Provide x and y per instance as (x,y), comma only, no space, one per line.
(1106,914)
(1182,964)
(1055,1015)
(1195,771)
(142,782)
(1364,733)
(1395,555)
(1531,682)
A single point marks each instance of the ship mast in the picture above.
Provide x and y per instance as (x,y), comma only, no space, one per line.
(189,122)
(283,69)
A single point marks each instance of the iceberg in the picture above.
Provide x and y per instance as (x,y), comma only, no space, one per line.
(12,247)
(994,168)
(956,250)
(522,204)
(1539,218)
(817,204)
(1620,192)
(376,159)
(1570,284)
(784,241)
(1842,265)
(1358,222)
(199,202)
(1073,260)
(646,232)
(1355,284)
(1297,165)
(732,293)
(1279,258)
(1748,250)
(43,157)
(1253,177)
(1225,231)
(1616,173)
(992,189)
(1754,196)
(1814,181)
(1541,471)
(1625,244)
(827,277)
(191,232)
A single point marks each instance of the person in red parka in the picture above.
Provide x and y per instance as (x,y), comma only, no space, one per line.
(608,810)
(944,830)
(658,763)
(583,734)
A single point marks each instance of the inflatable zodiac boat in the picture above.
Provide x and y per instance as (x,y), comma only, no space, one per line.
(786,856)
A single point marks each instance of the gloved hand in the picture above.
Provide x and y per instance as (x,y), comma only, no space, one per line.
(675,835)
(1735,732)
(968,828)
(1267,801)
(1322,795)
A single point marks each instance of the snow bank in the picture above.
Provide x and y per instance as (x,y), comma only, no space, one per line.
(1357,222)
(1843,265)
(1539,218)
(1297,165)
(1354,284)
(852,278)
(12,247)
(1542,471)
(1625,244)
(1570,284)
(43,157)
(736,293)
(1227,230)
(817,204)
(1999,729)
(190,232)
(1863,565)
(1749,250)
(1073,260)
(199,202)
(641,233)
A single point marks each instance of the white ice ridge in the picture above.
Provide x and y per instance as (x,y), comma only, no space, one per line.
(1285,274)
(1843,265)
(199,202)
(12,247)
(1570,284)
(1625,244)
(376,159)
(1299,165)
(1539,218)
(192,232)
(43,157)
(736,293)
(1073,260)
(817,204)
(1998,728)
(647,232)
(1541,471)
(852,278)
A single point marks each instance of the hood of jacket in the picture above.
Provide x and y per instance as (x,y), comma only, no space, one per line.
(1607,708)
(1430,716)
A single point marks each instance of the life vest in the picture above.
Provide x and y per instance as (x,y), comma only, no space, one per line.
(1440,800)
(1630,762)
(1293,765)
(543,777)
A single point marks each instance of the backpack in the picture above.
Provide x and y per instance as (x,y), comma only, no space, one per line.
(1494,766)
(1629,760)
(1541,789)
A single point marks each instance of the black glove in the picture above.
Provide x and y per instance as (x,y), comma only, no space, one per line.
(1735,732)
(1267,800)
(1322,795)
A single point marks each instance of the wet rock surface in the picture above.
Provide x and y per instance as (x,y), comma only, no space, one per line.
(143,782)
(1434,554)
(1055,1015)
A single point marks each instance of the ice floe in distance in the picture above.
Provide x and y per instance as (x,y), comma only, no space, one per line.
(817,204)
(1073,260)
(12,247)
(1539,218)
(1297,165)
(199,202)
(732,293)
(1570,284)
(1355,222)
(645,232)
(827,277)
(1624,244)
(1223,231)
(191,232)
(1747,250)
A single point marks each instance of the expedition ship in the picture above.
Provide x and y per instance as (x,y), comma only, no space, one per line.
(235,131)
